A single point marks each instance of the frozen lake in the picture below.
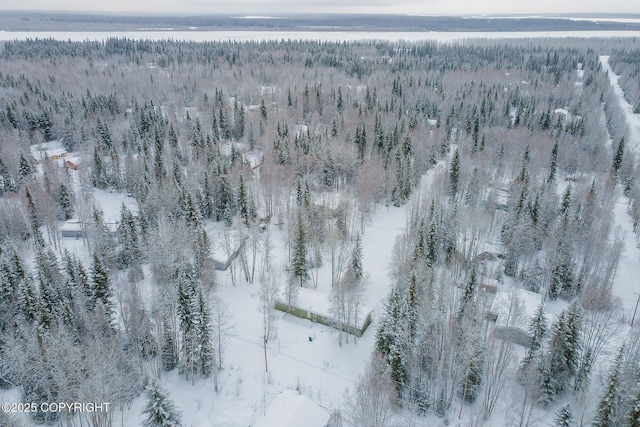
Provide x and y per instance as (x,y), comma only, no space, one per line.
(322,36)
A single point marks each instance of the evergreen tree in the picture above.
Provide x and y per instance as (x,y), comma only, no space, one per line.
(26,169)
(98,172)
(537,330)
(64,201)
(27,300)
(188,316)
(553,163)
(242,203)
(618,157)
(356,260)
(467,296)
(470,387)
(633,418)
(168,352)
(392,337)
(263,110)
(160,410)
(300,263)
(34,215)
(128,238)
(329,171)
(173,137)
(609,407)
(454,174)
(360,141)
(202,251)
(238,120)
(432,243)
(192,217)
(78,280)
(158,162)
(101,288)
(225,206)
(564,418)
(566,200)
(560,363)
(206,358)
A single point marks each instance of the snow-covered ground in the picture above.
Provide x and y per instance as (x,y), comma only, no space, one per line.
(633,120)
(321,369)
(626,285)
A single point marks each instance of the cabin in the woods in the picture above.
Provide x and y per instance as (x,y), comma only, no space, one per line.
(72,228)
(314,306)
(52,150)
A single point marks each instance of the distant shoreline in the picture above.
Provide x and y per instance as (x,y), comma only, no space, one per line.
(66,21)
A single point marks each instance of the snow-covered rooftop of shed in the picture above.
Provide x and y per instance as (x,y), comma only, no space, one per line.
(111,203)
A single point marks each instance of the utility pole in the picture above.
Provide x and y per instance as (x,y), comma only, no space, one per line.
(636,309)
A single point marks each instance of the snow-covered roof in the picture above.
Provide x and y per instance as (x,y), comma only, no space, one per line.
(227,146)
(318,302)
(290,409)
(253,158)
(71,225)
(47,150)
(314,301)
(111,203)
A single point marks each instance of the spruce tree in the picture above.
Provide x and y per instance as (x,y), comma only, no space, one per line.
(64,201)
(618,157)
(553,163)
(101,286)
(225,206)
(609,407)
(242,204)
(26,169)
(193,217)
(128,239)
(160,410)
(392,337)
(454,174)
(356,260)
(537,330)
(467,297)
(633,418)
(263,111)
(299,263)
(564,418)
(560,363)
(168,351)
(470,387)
(206,358)
(188,316)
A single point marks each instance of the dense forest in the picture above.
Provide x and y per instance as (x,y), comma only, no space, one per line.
(509,158)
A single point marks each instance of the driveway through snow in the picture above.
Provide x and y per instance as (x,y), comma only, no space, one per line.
(627,281)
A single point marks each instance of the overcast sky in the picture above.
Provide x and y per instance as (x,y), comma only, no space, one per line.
(274,7)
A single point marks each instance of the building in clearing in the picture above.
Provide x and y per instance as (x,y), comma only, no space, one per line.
(290,409)
(314,306)
(72,228)
(52,150)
